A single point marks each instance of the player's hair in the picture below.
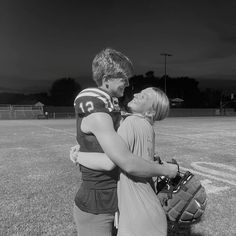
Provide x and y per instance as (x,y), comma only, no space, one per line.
(110,63)
(161,104)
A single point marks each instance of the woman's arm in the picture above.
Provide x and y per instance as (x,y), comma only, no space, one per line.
(100,161)
(92,160)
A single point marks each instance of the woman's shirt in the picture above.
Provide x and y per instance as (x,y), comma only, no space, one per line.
(140,210)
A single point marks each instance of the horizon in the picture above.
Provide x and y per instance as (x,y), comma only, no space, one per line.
(226,85)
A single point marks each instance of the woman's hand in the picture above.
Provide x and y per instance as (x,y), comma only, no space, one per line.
(74,153)
(171,169)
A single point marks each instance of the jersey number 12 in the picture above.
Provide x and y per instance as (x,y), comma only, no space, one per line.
(88,106)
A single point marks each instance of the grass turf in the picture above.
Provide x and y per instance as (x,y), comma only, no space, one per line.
(38,182)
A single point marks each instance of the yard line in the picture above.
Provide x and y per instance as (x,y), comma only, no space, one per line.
(210,176)
(211,129)
(197,165)
(211,188)
(57,130)
(181,136)
(17,148)
(196,139)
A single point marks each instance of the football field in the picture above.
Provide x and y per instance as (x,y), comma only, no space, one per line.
(38,182)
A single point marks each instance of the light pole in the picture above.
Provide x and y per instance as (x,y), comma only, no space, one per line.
(165,55)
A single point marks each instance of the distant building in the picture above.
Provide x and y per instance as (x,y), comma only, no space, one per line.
(30,102)
(176,102)
(39,104)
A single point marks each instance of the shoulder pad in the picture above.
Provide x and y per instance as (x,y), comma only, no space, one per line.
(92,100)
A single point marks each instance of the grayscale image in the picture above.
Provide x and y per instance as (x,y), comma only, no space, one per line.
(117,118)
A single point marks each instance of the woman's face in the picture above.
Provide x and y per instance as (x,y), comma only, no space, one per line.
(142,102)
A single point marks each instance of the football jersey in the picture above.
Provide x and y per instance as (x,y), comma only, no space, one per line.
(97,193)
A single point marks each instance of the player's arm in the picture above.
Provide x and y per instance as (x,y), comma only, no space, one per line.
(92,160)
(101,125)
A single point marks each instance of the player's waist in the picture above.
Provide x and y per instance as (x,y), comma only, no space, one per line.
(96,201)
(99,185)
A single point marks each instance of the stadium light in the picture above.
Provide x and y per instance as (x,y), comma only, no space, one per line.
(165,55)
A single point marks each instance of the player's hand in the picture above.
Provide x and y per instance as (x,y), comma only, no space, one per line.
(73,153)
(171,169)
(157,158)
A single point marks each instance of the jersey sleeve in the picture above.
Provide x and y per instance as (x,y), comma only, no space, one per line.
(86,104)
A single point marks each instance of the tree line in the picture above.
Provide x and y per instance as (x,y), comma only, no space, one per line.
(184,88)
(63,92)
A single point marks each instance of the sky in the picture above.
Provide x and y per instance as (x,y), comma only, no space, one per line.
(44,40)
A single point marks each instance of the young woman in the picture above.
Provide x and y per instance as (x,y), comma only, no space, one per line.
(140,212)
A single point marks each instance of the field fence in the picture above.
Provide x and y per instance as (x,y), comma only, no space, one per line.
(61,115)
(20,111)
(188,112)
(8,112)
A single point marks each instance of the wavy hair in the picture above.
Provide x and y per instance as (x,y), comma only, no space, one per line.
(110,63)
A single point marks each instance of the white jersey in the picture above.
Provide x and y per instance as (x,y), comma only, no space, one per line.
(140,210)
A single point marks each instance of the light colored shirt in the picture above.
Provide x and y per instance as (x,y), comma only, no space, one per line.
(140,211)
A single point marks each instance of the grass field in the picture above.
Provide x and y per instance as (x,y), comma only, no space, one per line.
(38,182)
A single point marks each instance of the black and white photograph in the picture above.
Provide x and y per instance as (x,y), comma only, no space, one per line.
(117,118)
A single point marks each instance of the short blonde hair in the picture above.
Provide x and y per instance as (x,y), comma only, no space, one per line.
(161,104)
(111,64)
